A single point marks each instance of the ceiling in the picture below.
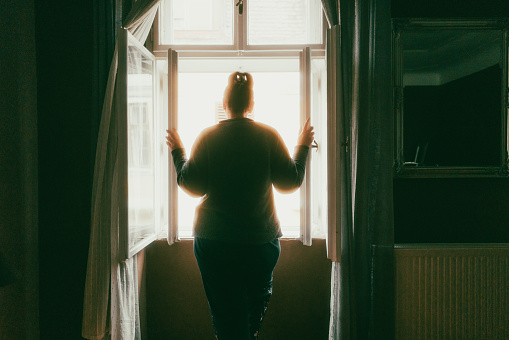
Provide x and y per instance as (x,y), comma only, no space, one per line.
(436,57)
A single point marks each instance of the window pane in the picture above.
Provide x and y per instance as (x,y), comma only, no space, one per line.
(318,164)
(277,103)
(161,148)
(196,22)
(141,149)
(284,22)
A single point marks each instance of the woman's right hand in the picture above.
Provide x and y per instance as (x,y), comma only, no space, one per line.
(173,140)
(306,135)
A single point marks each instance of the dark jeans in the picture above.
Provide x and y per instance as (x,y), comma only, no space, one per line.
(238,283)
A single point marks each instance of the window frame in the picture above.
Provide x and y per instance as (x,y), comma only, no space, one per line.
(337,181)
(126,249)
(239,49)
(305,57)
(240,45)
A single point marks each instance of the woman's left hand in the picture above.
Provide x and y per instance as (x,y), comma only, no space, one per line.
(306,135)
(173,140)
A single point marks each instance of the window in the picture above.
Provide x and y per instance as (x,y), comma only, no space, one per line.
(268,45)
(216,25)
(277,104)
(139,131)
(138,161)
(196,22)
(296,22)
(197,44)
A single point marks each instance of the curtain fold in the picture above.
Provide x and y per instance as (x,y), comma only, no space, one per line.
(330,9)
(110,307)
(140,18)
(361,298)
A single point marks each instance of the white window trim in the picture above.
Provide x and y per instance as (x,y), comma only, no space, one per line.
(305,190)
(305,109)
(239,45)
(172,123)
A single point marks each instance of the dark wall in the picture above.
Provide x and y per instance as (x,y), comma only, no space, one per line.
(74,46)
(299,308)
(66,110)
(449,8)
(451,210)
(18,172)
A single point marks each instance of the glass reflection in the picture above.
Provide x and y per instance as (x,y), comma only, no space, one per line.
(141,152)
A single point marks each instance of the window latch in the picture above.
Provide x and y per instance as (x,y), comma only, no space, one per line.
(314,145)
(241,6)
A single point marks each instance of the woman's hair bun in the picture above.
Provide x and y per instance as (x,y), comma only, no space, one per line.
(239,92)
(240,78)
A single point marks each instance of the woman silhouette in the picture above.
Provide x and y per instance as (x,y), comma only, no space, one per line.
(233,166)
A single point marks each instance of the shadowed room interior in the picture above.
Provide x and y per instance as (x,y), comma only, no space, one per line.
(299,306)
(54,63)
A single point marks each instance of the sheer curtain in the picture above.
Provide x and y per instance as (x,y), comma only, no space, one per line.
(362,277)
(110,308)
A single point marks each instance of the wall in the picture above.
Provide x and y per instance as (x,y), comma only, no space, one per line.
(74,46)
(177,307)
(18,171)
(66,109)
(54,61)
(451,210)
(449,8)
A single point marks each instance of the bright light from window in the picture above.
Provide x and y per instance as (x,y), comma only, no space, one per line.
(196,22)
(284,22)
(266,22)
(277,103)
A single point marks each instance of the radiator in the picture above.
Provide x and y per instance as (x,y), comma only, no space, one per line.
(449,291)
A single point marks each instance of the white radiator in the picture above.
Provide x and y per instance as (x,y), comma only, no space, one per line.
(449,291)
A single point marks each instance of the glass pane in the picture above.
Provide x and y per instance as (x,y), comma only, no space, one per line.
(318,164)
(277,103)
(284,22)
(141,150)
(162,109)
(196,22)
(452,84)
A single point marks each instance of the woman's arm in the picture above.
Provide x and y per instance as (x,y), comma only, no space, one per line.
(192,173)
(288,173)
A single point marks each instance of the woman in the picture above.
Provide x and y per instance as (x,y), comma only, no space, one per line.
(233,166)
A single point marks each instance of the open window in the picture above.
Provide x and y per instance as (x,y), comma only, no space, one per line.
(285,96)
(194,58)
(139,164)
(290,82)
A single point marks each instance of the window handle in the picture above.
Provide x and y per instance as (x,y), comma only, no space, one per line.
(241,6)
(314,145)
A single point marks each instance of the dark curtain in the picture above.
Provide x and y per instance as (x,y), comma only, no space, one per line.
(366,271)
(330,9)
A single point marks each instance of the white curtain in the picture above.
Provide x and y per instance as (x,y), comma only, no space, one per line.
(110,308)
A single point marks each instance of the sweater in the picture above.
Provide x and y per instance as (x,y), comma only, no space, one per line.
(234,166)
